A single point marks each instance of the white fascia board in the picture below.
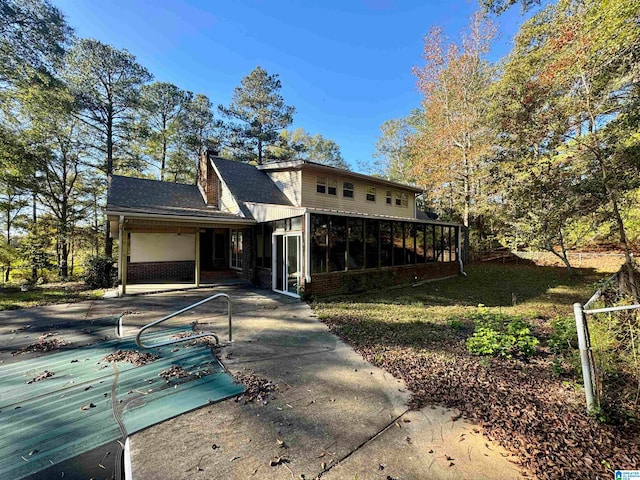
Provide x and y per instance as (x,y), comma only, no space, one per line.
(181,218)
(266,212)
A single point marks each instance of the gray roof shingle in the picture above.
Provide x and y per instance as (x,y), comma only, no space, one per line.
(248,184)
(140,195)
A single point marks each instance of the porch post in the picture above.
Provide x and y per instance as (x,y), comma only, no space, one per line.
(197,275)
(122,256)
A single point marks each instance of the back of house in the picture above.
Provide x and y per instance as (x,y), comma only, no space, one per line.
(295,227)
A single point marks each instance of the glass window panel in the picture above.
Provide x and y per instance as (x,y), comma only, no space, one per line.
(259,246)
(398,243)
(445,244)
(410,243)
(420,247)
(356,244)
(279,262)
(332,186)
(296,223)
(437,242)
(337,244)
(347,189)
(321,185)
(268,230)
(319,230)
(371,194)
(293,267)
(428,240)
(454,244)
(386,244)
(388,197)
(371,243)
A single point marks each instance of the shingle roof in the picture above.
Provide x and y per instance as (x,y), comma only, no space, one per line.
(248,184)
(128,194)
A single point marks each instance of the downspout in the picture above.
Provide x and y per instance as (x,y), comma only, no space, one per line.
(459,251)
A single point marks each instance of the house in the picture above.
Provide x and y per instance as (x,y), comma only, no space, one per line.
(295,227)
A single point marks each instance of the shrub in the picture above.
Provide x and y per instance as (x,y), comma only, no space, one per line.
(100,273)
(501,335)
(563,339)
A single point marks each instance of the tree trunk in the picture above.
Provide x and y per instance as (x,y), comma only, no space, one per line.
(108,241)
(259,152)
(34,268)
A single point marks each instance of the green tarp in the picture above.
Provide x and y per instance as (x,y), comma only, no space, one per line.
(60,416)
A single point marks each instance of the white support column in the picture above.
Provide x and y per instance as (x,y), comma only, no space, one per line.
(122,256)
(306,248)
(197,274)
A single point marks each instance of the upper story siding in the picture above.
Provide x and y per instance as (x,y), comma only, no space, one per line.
(290,183)
(376,205)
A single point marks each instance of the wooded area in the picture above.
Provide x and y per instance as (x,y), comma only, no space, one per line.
(539,151)
(76,111)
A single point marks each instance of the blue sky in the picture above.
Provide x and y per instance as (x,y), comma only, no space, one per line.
(345,65)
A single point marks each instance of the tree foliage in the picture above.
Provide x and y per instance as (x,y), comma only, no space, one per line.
(301,145)
(257,114)
(106,83)
(33,37)
(450,148)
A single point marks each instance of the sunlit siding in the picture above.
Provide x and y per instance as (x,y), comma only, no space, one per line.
(227,201)
(359,202)
(290,184)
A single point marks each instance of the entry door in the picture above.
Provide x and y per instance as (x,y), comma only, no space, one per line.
(287,267)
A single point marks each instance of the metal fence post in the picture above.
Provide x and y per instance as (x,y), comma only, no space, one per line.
(584,355)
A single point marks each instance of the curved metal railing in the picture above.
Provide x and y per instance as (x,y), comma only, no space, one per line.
(180,312)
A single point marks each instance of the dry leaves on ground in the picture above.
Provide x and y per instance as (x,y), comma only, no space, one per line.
(42,376)
(45,343)
(257,389)
(130,356)
(521,405)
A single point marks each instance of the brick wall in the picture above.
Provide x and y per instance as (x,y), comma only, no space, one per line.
(359,281)
(208,180)
(262,277)
(161,271)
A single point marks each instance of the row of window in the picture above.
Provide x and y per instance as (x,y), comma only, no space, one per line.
(342,243)
(329,186)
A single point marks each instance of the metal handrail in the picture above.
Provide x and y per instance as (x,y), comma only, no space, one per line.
(179,312)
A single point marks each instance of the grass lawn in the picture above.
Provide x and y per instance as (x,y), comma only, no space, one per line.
(12,298)
(533,409)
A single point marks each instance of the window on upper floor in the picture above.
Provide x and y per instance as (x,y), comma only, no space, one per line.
(332,186)
(371,194)
(401,199)
(347,189)
(321,184)
(388,197)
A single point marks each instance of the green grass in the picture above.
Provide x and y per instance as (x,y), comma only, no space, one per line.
(12,298)
(440,311)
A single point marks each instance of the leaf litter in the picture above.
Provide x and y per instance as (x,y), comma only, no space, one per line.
(130,356)
(257,389)
(46,343)
(522,405)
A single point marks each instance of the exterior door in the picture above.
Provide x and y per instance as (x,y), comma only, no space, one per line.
(287,264)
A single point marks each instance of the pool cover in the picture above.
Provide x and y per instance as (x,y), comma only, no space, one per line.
(61,404)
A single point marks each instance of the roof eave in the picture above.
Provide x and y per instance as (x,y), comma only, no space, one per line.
(179,218)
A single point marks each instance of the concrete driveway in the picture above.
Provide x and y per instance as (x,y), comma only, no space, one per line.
(334,415)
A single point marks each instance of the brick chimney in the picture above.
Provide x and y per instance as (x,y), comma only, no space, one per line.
(208,181)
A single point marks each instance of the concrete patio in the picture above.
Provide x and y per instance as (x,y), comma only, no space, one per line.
(334,415)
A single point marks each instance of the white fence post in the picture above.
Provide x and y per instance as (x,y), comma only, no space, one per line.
(584,355)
